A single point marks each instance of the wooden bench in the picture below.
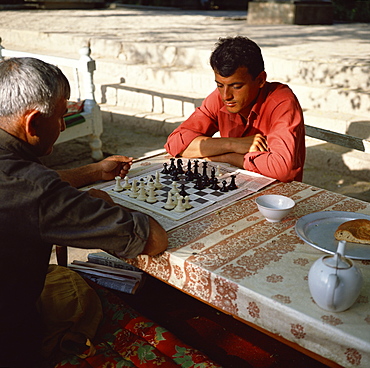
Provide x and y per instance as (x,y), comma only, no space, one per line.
(80,75)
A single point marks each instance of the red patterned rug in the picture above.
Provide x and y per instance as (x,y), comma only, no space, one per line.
(225,340)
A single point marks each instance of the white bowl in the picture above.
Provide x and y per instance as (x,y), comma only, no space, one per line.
(274,207)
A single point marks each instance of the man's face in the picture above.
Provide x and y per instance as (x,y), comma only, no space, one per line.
(49,128)
(240,90)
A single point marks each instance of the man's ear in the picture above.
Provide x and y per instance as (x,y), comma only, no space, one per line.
(31,121)
(262,78)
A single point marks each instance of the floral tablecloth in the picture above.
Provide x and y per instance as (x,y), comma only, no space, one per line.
(257,271)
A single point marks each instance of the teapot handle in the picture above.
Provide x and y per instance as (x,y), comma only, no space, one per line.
(330,289)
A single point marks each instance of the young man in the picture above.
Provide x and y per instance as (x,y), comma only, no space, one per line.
(260,123)
(40,207)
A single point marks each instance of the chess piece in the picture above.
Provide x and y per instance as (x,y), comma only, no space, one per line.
(214,185)
(175,176)
(169,205)
(126,184)
(189,173)
(150,185)
(134,192)
(205,178)
(218,172)
(213,179)
(232,185)
(151,197)
(195,171)
(165,169)
(157,183)
(183,191)
(118,187)
(199,184)
(180,170)
(149,182)
(172,169)
(224,186)
(174,189)
(179,206)
(187,205)
(142,195)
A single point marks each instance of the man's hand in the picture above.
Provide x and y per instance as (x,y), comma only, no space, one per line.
(115,166)
(106,169)
(253,143)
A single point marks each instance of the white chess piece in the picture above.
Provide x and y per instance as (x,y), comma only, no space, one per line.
(218,172)
(149,182)
(118,187)
(126,184)
(134,192)
(169,205)
(187,205)
(151,197)
(174,189)
(142,195)
(179,206)
(150,185)
(157,182)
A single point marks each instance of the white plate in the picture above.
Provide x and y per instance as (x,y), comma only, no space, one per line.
(317,229)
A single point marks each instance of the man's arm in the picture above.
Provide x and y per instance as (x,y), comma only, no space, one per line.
(157,240)
(225,149)
(235,159)
(106,169)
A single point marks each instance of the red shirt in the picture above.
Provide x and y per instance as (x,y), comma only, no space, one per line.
(276,115)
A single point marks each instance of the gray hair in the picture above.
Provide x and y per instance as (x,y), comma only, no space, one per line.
(29,83)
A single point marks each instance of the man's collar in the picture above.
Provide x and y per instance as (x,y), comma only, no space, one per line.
(14,144)
(256,108)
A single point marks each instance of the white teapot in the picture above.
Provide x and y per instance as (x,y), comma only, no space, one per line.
(334,281)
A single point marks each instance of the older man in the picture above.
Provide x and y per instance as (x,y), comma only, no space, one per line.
(40,207)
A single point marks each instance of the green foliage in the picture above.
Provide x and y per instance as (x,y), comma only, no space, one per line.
(352,11)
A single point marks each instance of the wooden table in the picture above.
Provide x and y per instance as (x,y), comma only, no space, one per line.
(237,262)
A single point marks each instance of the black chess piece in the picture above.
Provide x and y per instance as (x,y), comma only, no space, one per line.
(232,185)
(215,185)
(179,166)
(165,169)
(199,184)
(189,173)
(224,186)
(175,176)
(195,171)
(172,167)
(183,192)
(189,165)
(205,177)
(213,179)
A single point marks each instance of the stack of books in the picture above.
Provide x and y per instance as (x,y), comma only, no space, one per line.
(110,272)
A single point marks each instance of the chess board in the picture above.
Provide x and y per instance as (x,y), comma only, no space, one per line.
(199,199)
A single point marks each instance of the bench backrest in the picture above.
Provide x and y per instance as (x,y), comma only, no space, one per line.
(344,140)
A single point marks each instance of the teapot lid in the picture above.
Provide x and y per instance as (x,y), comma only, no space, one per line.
(338,261)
